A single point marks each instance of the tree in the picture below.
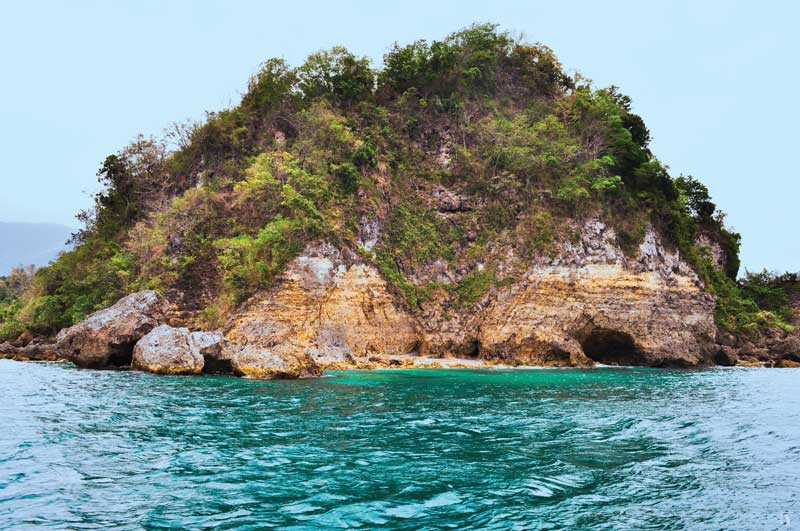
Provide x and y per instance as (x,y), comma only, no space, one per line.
(275,84)
(697,197)
(336,74)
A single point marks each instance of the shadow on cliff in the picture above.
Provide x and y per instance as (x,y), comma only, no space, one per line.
(611,347)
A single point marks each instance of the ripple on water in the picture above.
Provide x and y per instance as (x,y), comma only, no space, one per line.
(605,449)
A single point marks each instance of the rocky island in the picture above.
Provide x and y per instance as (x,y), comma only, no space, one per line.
(467,204)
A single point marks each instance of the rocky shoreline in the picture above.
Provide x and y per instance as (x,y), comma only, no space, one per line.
(330,309)
(134,334)
(587,304)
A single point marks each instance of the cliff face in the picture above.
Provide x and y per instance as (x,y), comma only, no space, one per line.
(590,303)
(330,305)
(594,303)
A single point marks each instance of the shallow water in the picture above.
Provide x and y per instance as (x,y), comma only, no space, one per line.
(614,449)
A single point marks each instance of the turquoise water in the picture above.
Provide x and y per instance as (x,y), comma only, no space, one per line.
(613,449)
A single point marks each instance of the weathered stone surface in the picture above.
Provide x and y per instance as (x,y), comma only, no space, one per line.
(207,343)
(107,337)
(327,307)
(786,347)
(168,350)
(588,304)
(23,339)
(288,360)
(33,351)
(717,254)
(447,201)
(602,313)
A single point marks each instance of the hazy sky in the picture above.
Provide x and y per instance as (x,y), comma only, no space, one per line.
(716,83)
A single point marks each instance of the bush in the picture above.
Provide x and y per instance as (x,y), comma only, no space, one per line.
(415,236)
(535,233)
(474,286)
(770,291)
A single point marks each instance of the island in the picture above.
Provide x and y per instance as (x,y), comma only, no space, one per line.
(468,203)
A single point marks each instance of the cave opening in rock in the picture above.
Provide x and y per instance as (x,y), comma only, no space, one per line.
(611,347)
(121,356)
(214,365)
(472,349)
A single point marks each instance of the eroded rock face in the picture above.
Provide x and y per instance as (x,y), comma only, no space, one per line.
(32,351)
(592,304)
(600,313)
(107,337)
(281,361)
(588,304)
(168,350)
(326,307)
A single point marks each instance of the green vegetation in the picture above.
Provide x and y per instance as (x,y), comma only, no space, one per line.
(474,286)
(12,288)
(216,211)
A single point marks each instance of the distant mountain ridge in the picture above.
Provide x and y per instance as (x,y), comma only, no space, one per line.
(30,243)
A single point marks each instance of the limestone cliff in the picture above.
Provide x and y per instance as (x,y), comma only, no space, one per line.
(330,305)
(590,303)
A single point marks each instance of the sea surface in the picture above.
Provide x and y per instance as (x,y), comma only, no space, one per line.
(612,449)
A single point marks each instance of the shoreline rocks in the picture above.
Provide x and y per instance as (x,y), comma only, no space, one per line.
(167,350)
(107,337)
(33,351)
(331,309)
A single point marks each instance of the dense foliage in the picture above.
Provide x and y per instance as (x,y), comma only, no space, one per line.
(312,152)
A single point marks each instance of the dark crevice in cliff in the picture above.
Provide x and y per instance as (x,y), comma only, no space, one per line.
(472,349)
(121,356)
(611,347)
(213,365)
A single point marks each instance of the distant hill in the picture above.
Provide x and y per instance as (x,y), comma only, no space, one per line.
(30,243)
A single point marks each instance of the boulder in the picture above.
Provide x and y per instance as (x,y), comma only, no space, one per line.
(725,338)
(210,346)
(168,350)
(106,338)
(23,339)
(750,350)
(281,361)
(447,201)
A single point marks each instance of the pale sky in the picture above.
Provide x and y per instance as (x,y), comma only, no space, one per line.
(715,82)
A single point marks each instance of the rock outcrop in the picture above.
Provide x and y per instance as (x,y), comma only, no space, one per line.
(589,304)
(107,337)
(253,361)
(132,333)
(770,348)
(32,351)
(327,308)
(168,350)
(602,314)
